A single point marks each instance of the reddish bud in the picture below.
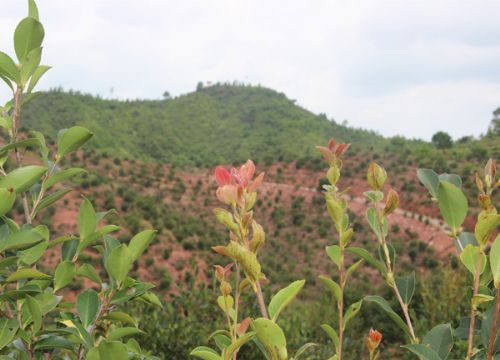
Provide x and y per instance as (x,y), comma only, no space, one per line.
(222,176)
(490,172)
(243,326)
(376,176)
(331,144)
(373,340)
(256,183)
(392,202)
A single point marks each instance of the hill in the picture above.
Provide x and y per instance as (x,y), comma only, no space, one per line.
(217,124)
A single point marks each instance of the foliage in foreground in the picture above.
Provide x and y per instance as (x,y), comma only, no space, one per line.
(36,323)
(37,320)
(237,189)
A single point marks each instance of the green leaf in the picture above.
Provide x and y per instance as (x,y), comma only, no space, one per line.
(374,196)
(6,123)
(406,286)
(486,324)
(87,221)
(28,35)
(333,253)
(495,261)
(92,238)
(205,353)
(440,339)
(303,349)
(62,176)
(430,180)
(19,145)
(452,204)
(123,332)
(368,258)
(7,200)
(140,242)
(235,346)
(119,262)
(35,312)
(373,221)
(2,123)
(87,306)
(21,240)
(72,139)
(8,67)
(27,273)
(332,334)
(390,250)
(68,250)
(451,178)
(384,305)
(30,64)
(34,253)
(54,342)
(422,351)
(353,268)
(44,150)
(272,338)
(51,199)
(464,239)
(23,178)
(470,257)
(112,350)
(486,227)
(88,271)
(333,286)
(37,75)
(122,317)
(64,274)
(33,10)
(8,330)
(351,312)
(479,299)
(283,298)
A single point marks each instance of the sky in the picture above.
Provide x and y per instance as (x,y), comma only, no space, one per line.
(407,67)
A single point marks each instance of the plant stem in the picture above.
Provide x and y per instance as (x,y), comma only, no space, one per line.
(16,118)
(341,301)
(473,307)
(390,271)
(260,300)
(236,304)
(493,332)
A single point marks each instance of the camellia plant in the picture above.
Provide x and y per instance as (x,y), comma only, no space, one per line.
(237,190)
(484,268)
(336,204)
(37,320)
(483,265)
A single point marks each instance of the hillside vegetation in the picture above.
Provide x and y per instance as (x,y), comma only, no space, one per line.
(218,124)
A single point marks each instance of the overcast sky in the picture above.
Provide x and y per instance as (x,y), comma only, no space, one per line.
(398,67)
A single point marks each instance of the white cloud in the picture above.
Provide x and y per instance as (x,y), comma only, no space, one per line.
(409,67)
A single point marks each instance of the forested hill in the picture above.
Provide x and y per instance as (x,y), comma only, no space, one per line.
(217,124)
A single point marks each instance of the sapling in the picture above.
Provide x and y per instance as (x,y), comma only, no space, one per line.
(336,204)
(37,319)
(446,190)
(237,190)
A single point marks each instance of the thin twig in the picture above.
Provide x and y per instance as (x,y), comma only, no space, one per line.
(390,270)
(260,300)
(473,307)
(493,332)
